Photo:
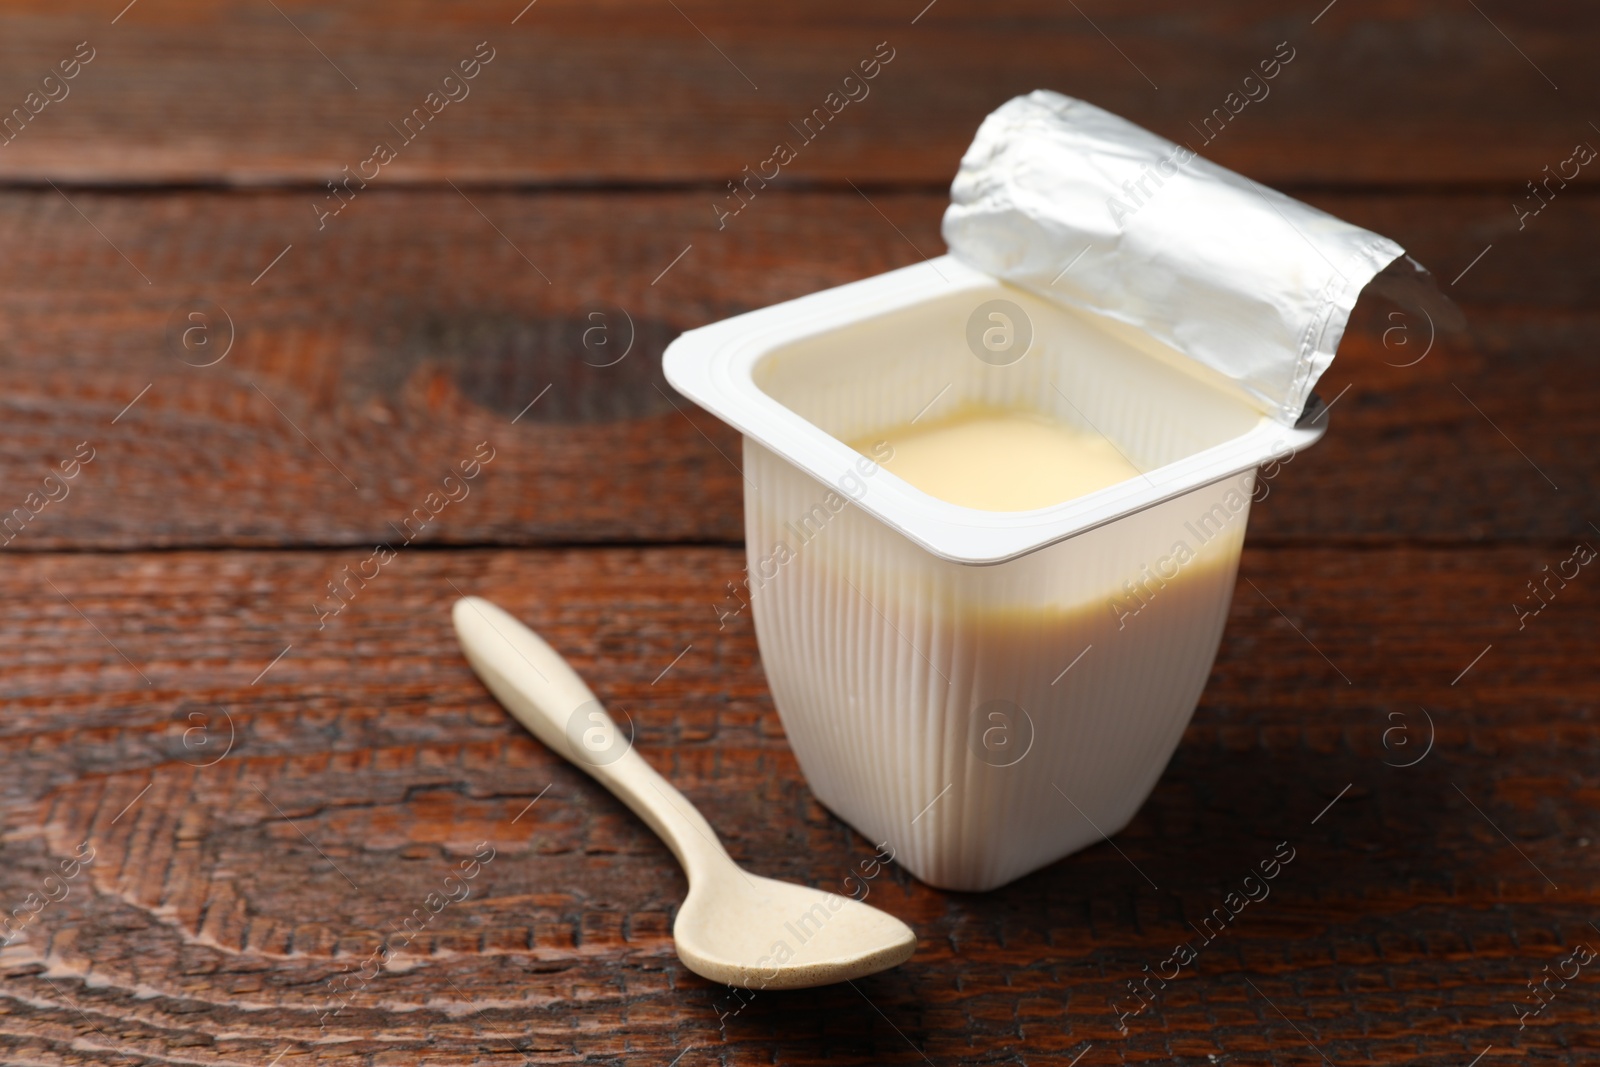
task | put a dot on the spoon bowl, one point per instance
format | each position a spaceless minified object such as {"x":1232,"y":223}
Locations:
{"x":734,"y":927}
{"x":778,"y":935}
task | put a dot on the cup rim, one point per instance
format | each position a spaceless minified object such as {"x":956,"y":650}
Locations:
{"x":714,"y":367}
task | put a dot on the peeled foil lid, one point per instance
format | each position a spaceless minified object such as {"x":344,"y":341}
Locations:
{"x":1086,"y":209}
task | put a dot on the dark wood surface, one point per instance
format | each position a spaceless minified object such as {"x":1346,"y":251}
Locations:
{"x":267,"y":799}
{"x":630,"y":91}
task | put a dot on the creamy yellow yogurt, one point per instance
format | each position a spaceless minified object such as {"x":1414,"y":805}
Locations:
{"x":999,"y":460}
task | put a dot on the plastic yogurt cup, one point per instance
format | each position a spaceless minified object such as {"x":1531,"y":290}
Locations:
{"x":985,"y":691}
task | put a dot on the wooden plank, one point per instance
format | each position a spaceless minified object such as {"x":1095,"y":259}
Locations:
{"x":372,"y":357}
{"x":630,"y":91}
{"x":208,"y":925}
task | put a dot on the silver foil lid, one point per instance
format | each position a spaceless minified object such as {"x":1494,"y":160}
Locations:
{"x":1087,"y":209}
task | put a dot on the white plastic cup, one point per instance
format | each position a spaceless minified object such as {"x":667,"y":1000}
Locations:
{"x":987,"y":692}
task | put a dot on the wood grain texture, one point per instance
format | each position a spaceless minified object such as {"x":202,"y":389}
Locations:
{"x":272,"y":792}
{"x":377,"y":353}
{"x":631,"y":91}
{"x":368,"y":763}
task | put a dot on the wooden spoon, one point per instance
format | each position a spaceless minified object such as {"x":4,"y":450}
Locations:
{"x":734,"y":927}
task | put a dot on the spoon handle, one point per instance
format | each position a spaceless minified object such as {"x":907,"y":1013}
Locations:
{"x":544,"y":693}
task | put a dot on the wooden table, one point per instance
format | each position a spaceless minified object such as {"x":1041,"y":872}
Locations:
{"x":267,"y":389}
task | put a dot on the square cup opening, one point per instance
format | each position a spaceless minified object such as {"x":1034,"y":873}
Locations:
{"x":995,"y":348}
{"x":806,"y":378}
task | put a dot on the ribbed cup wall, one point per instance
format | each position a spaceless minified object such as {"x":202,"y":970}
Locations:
{"x":888,"y":666}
